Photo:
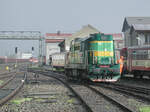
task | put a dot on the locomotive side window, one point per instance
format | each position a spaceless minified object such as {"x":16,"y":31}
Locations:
{"x":77,"y":47}
{"x":82,"y":47}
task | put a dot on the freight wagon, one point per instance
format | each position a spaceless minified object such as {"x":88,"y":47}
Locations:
{"x":57,"y":60}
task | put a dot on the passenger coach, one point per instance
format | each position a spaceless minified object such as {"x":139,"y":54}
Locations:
{"x":137,"y":60}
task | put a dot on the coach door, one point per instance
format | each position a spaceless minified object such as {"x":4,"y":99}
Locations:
{"x":130,"y":60}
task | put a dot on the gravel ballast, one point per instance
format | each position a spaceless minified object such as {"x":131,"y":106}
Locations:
{"x":43,"y":95}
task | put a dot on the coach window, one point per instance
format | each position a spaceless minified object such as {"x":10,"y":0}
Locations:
{"x":148,"y":54}
{"x":134,"y":55}
{"x":145,"y":54}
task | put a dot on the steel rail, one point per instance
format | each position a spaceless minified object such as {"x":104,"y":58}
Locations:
{"x":12,"y":77}
{"x":6,"y":73}
{"x":4,"y":84}
{"x":125,"y":91}
{"x":6,"y":76}
{"x":122,"y":106}
{"x":13,"y":93}
{"x":133,"y":88}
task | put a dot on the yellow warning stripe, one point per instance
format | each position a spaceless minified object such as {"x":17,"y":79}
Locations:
{"x":101,"y":41}
{"x":103,"y":53}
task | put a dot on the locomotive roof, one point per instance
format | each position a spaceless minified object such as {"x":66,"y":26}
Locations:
{"x":91,"y":36}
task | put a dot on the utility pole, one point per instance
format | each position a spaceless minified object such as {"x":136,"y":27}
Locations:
{"x":32,"y":55}
{"x":16,"y":51}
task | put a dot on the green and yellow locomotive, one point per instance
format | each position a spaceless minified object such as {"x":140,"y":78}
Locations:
{"x":92,"y":58}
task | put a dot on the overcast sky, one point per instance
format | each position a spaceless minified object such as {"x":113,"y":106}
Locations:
{"x":66,"y":15}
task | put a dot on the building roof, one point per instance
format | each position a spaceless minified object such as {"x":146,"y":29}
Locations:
{"x":117,"y":35}
{"x":85,"y":31}
{"x":54,"y":40}
{"x":138,"y":20}
{"x":141,"y":27}
{"x":58,"y":34}
{"x":129,"y":21}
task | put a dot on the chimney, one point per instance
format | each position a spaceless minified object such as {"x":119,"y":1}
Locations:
{"x":58,"y":32}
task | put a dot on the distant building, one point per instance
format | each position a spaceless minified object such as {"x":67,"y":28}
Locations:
{"x":85,"y":31}
{"x":118,"y":40}
{"x":26,"y":55}
{"x":136,"y":31}
{"x":52,"y":41}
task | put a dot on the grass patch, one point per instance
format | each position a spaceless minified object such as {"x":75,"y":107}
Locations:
{"x":70,"y":101}
{"x":1,"y":82}
{"x":133,"y":102}
{"x":144,"y":109}
{"x":19,"y":101}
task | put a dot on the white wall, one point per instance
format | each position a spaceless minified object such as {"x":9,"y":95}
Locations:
{"x":50,"y":49}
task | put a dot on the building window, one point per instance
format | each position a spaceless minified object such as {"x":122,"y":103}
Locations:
{"x":146,"y":39}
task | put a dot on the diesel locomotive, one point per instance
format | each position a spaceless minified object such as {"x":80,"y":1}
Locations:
{"x":92,"y":58}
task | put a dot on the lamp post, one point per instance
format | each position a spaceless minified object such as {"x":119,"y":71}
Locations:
{"x":16,"y":51}
{"x":32,"y":55}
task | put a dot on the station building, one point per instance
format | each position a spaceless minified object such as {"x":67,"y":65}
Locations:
{"x":51,"y":43}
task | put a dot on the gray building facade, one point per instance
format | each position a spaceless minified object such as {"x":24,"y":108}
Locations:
{"x":136,"y":31}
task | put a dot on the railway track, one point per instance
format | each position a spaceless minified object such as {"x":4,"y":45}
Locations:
{"x":5,"y":76}
{"x":138,"y":92}
{"x":114,"y":101}
{"x":137,"y":89}
{"x":11,"y":87}
{"x":90,"y":106}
